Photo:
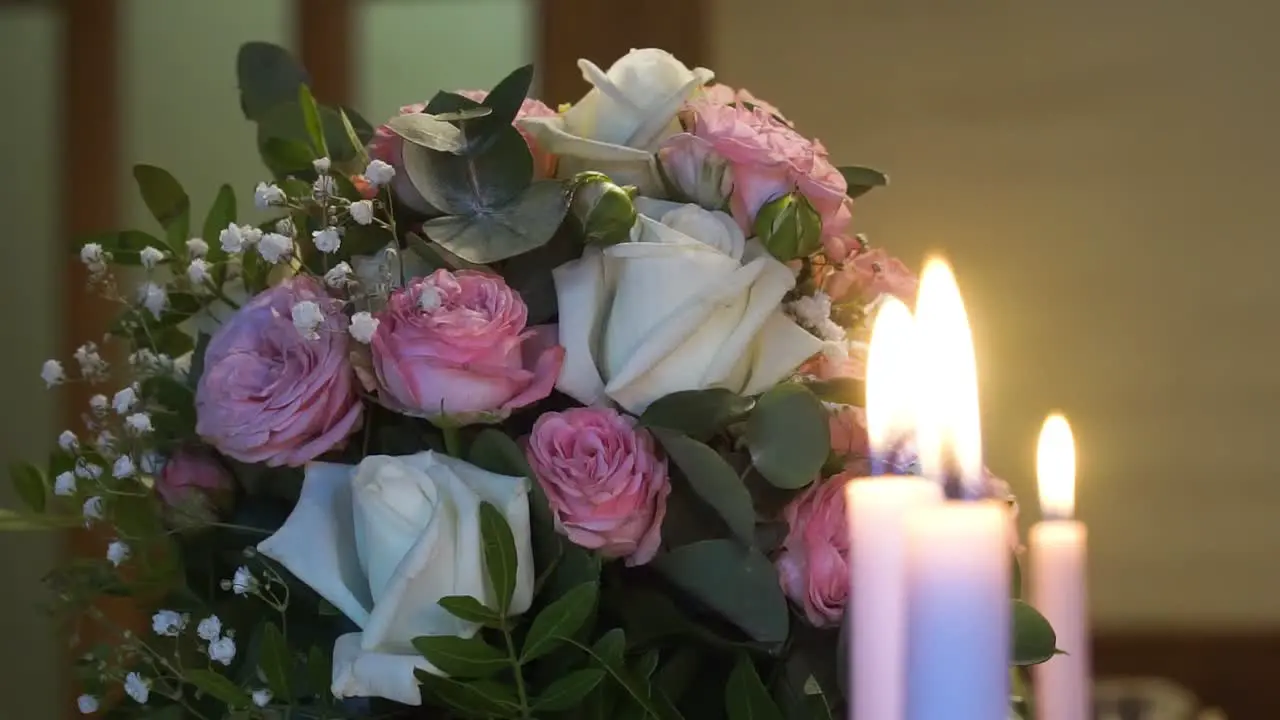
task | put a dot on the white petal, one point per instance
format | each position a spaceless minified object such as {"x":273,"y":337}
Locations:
{"x":780,"y":347}
{"x":317,"y":542}
{"x":623,"y":165}
{"x":773,"y":281}
{"x":393,"y":504}
{"x":362,"y":673}
{"x":581,"y":296}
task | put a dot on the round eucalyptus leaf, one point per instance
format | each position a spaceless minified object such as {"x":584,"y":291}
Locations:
{"x":788,"y":436}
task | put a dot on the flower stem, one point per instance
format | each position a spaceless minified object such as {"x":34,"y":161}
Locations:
{"x":452,"y":441}
{"x":521,"y":693}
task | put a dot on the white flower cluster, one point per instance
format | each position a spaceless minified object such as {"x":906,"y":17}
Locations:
{"x":813,"y":312}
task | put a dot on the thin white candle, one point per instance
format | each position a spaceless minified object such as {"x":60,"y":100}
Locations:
{"x":1056,"y":581}
{"x":958,"y":552}
{"x":877,"y":508}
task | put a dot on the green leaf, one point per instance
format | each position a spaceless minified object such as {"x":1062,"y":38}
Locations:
{"x":788,"y":436}
{"x":568,"y":691}
{"x":506,"y":99}
{"x":353,"y":137}
{"x":495,"y":451}
{"x":608,"y":653}
{"x":288,"y":121}
{"x":745,"y":696}
{"x":738,"y":583}
{"x":164,"y":197}
{"x":319,"y":671}
{"x":286,"y":157}
{"x":499,"y":554}
{"x":221,"y":214}
{"x":696,"y":413}
{"x":275,"y":661}
{"x":449,"y":103}
{"x":470,"y":609}
{"x":713,"y":480}
{"x":610,"y":647}
{"x":217,"y":686}
{"x":1034,"y":640}
{"x":559,"y":621}
{"x":28,"y":485}
{"x":526,"y":223}
{"x":14,"y":521}
{"x":268,"y":75}
{"x":311,"y":118}
{"x":472,"y":180}
{"x":1016,"y":568}
{"x":461,"y":657}
{"x":428,"y":132}
{"x":862,"y":179}
{"x":789,"y":227}
{"x":479,"y":698}
{"x":844,"y":390}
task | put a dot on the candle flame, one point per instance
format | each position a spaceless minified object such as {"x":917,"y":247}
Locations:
{"x":1056,"y":468}
{"x":891,"y":379}
{"x":949,"y":428}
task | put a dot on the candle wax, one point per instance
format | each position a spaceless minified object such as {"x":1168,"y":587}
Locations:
{"x":1056,"y":587}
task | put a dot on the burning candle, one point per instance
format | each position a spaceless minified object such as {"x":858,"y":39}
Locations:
{"x":958,"y":552}
{"x":1056,"y":581}
{"x":877,"y":508}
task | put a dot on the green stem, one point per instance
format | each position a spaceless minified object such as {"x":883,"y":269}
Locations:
{"x":521,"y":693}
{"x":452,"y":441}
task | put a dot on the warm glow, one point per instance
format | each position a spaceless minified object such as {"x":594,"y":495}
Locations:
{"x":949,"y":432}
{"x":891,"y":380}
{"x":1056,"y":469}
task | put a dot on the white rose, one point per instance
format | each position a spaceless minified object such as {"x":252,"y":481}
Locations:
{"x":383,"y":541}
{"x":687,"y":304}
{"x":618,"y":125}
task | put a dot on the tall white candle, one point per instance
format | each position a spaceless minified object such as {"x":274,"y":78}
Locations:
{"x":959,"y":564}
{"x":1056,"y":581}
{"x":877,"y":509}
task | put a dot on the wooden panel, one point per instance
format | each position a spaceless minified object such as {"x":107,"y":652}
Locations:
{"x":325,"y":41}
{"x":604,"y":31}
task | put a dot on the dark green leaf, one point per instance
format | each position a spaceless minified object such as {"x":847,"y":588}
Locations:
{"x":446,"y":103}
{"x":465,"y":114}
{"x":696,"y":413}
{"x":14,"y":521}
{"x":480,"y":180}
{"x":311,"y":118}
{"x":499,"y":554}
{"x":844,"y":390}
{"x":319,"y":671}
{"x":506,"y":98}
{"x":286,"y":157}
{"x":479,"y":698}
{"x":164,"y":196}
{"x":287,"y":121}
{"x":527,"y":223}
{"x":677,"y":674}
{"x":268,"y":76}
{"x":135,"y":516}
{"x":738,"y":583}
{"x":788,"y":436}
{"x":610,"y":646}
{"x":745,"y":696}
{"x":221,"y":214}
{"x":1034,"y":640}
{"x":568,"y":691}
{"x":495,"y":451}
{"x":862,"y":179}
{"x":276,"y":662}
{"x":353,"y":137}
{"x":428,"y":132}
{"x":713,"y":480}
{"x":177,"y":232}
{"x":217,"y":686}
{"x":613,"y":664}
{"x":789,"y":227}
{"x":559,"y":621}
{"x":28,"y":485}
{"x":644,"y":666}
{"x":470,"y":609}
{"x":197,"y":360}
{"x":461,"y":657}
{"x":1017,"y":578}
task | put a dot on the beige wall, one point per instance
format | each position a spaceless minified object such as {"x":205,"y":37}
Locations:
{"x":1104,"y":176}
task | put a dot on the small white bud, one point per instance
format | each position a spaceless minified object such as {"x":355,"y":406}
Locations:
{"x":150,"y":257}
{"x":64,"y":485}
{"x":137,"y":688}
{"x":243,"y":582}
{"x":117,"y":552}
{"x":139,"y":423}
{"x":222,"y":650}
{"x":338,"y":276}
{"x":363,"y":327}
{"x":285,"y":227}
{"x":267,"y":194}
{"x":52,"y":373}
{"x":94,"y":258}
{"x":123,"y":467}
{"x":362,"y":212}
{"x":261,"y":697}
{"x":274,"y":247}
{"x":92,"y":509}
{"x":98,"y":404}
{"x":428,"y":298}
{"x":324,"y":187}
{"x":379,"y":173}
{"x":321,"y":165}
{"x":68,"y":441}
{"x":327,"y":240}
{"x":87,"y":704}
{"x":210,"y":628}
{"x":197,"y":248}
{"x":231,"y":239}
{"x":124,"y":400}
{"x":168,"y":623}
{"x":153,"y":297}
{"x":307,"y":316}
{"x":198,"y":271}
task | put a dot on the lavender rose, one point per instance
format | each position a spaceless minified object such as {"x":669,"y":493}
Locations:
{"x":269,"y":394}
{"x":813,"y":567}
{"x":455,"y":345}
{"x":605,"y":483}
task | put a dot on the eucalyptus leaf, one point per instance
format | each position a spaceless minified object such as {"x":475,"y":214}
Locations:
{"x":28,"y":485}
{"x":713,"y":480}
{"x":499,"y":554}
{"x":559,"y":621}
{"x":738,"y":583}
{"x":427,"y":131}
{"x":568,"y":691}
{"x":162,"y":193}
{"x":462,"y":657}
{"x":445,"y":103}
{"x":745,"y":696}
{"x":268,"y":75}
{"x":861,"y":180}
{"x":842,"y":390}
{"x":1034,"y":640}
{"x":696,"y":413}
{"x":527,"y":223}
{"x":506,"y":98}
{"x":464,"y":114}
{"x":482,"y":178}
{"x":788,"y":436}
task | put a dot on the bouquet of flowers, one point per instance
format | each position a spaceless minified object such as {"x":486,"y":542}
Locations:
{"x":493,"y":411}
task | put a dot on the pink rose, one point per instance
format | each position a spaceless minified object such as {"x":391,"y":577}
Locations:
{"x":871,"y":274}
{"x":270,"y":395}
{"x":813,"y":567}
{"x":388,"y":146}
{"x":725,"y":95}
{"x":455,"y":344}
{"x":194,"y":482}
{"x":767,"y":159}
{"x":605,"y":483}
